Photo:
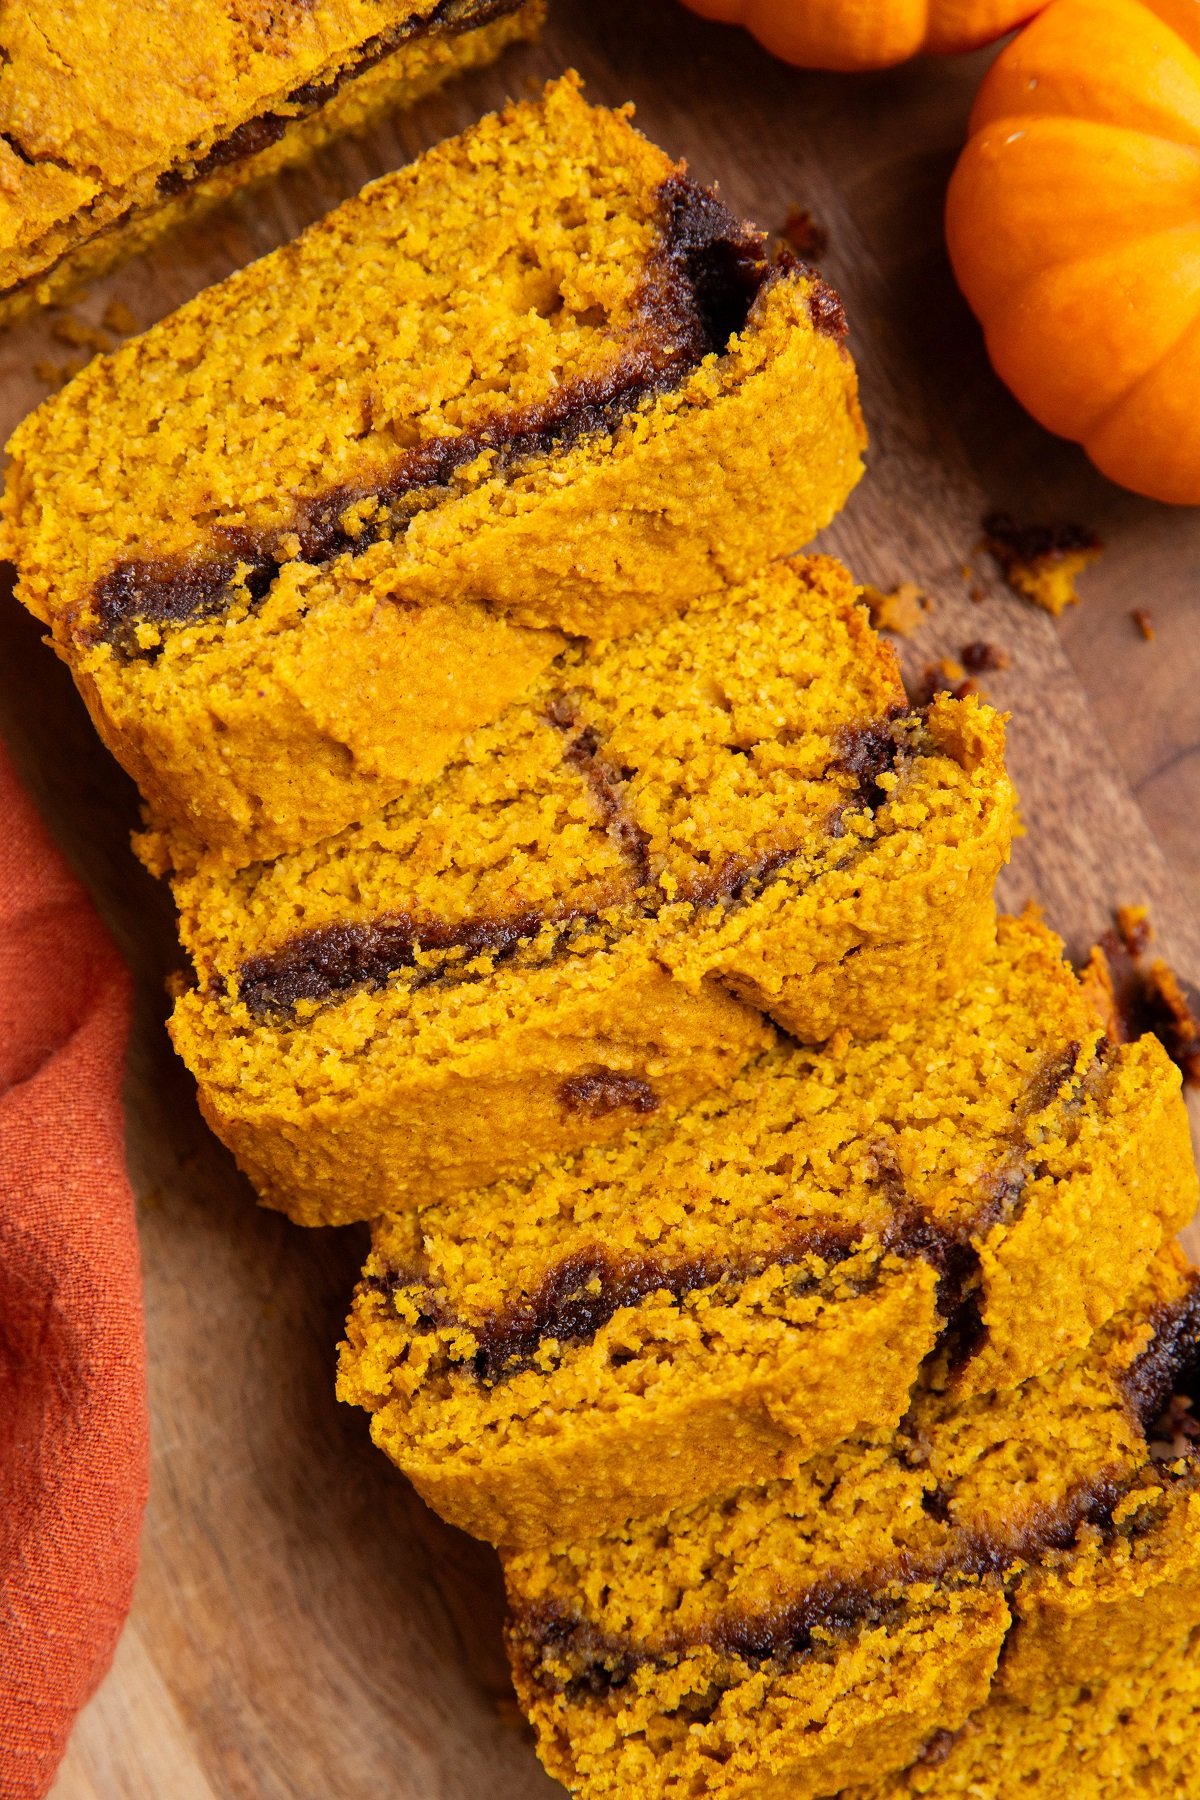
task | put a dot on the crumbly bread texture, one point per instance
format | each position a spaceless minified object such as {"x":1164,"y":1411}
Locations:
{"x":118,"y":119}
{"x":1134,"y":1734}
{"x":559,"y":936}
{"x":725,"y":1293}
{"x":301,"y":536}
{"x":787,"y":1640}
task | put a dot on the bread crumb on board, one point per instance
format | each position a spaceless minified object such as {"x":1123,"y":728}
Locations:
{"x":80,"y":334}
{"x":979,"y":655}
{"x":1041,"y":563}
{"x":901,"y":609}
{"x":118,"y":319}
{"x":803,"y":234}
{"x":1134,"y":992}
{"x":956,"y":675}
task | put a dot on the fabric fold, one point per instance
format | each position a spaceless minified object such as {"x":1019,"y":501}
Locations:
{"x":74,"y":1435}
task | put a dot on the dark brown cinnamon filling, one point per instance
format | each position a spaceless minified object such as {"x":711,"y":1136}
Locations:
{"x":1017,"y":546}
{"x":606,"y":783}
{"x":937,"y":1748}
{"x":449,"y":19}
{"x":550,"y":1633}
{"x":331,"y":960}
{"x":1170,"y":1364}
{"x":583,"y":1292}
{"x":814,"y":1621}
{"x":317,"y":965}
{"x":698,"y":289}
{"x":1147,"y":997}
{"x":600,"y":1092}
{"x":869,"y":751}
{"x":579,"y":1295}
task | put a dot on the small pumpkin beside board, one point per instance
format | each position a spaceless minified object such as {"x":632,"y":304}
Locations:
{"x":1073,"y":223}
{"x":1073,"y":217}
{"x":867,"y":34}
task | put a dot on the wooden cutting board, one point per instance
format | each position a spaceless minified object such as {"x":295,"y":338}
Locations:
{"x":303,"y":1627}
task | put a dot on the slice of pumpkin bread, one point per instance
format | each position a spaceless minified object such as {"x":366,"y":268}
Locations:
{"x":785,"y":1641}
{"x":301,"y":536}
{"x":1134,"y":1734}
{"x":729,"y":1291}
{"x":120,"y":117}
{"x":559,"y":936}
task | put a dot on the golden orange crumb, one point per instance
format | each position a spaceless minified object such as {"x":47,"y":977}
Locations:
{"x":901,"y":609}
{"x":1133,"y":923}
{"x":1040,"y":562}
{"x":804,"y":234}
{"x":77,"y":332}
{"x":117,"y":318}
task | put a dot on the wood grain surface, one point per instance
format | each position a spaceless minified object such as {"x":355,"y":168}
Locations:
{"x":303,"y":1627}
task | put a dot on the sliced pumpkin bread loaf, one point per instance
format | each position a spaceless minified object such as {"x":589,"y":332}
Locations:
{"x":560,"y":937}
{"x":120,"y":117}
{"x":301,"y":536}
{"x":792,"y":1639}
{"x":730,"y":1290}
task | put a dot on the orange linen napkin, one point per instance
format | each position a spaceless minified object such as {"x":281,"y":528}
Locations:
{"x":73,"y":1429}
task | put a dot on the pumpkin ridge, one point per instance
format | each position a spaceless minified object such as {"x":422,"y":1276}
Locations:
{"x":1085,"y":430}
{"x":849,"y":34}
{"x":1047,"y":26}
{"x":1186,"y":52}
{"x":1157,"y":8}
{"x":943,"y":37}
{"x":1030,"y":124}
{"x":1131,"y":393}
{"x":1073,"y":226}
{"x":905,"y":40}
{"x":1009,"y":290}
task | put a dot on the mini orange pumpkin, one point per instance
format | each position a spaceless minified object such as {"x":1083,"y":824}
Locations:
{"x":1074,"y":229}
{"x":867,"y":34}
